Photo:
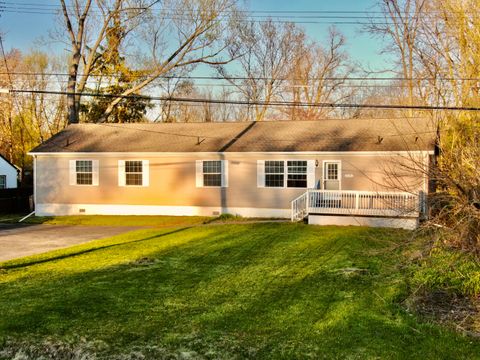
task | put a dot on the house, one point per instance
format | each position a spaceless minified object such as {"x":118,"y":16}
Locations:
{"x":345,"y":171}
{"x":8,"y":174}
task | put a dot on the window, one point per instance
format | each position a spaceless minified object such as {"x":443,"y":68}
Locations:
{"x":133,"y":173}
{"x":212,"y":173}
{"x":286,"y":173}
{"x":274,"y":173}
{"x":3,"y":181}
{"x":297,"y":174}
{"x":84,"y":171}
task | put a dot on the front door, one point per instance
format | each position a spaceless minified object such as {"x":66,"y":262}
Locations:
{"x":331,"y":175}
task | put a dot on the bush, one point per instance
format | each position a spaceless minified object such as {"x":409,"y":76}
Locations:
{"x":228,"y":217}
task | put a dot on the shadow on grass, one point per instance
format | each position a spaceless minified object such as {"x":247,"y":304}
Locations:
{"x":265,"y":291}
{"x":6,"y":265}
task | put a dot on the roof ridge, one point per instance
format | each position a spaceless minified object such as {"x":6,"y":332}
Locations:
{"x":250,"y":122}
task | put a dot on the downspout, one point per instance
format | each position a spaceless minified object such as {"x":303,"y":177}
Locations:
{"x":34,"y":183}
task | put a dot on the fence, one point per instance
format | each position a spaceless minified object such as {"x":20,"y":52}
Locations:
{"x":16,"y":200}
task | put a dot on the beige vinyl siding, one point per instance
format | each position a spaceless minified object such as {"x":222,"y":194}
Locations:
{"x":173,"y":180}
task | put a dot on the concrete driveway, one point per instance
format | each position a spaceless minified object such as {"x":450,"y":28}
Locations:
{"x":17,"y":241}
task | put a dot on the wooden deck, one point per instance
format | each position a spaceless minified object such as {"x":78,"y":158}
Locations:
{"x":355,"y":203}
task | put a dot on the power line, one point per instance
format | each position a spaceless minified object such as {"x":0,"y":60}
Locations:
{"x":240,"y":20}
{"x":255,"y":11}
{"x":251,"y":20}
{"x":250,"y":103}
{"x":236,"y":78}
{"x":266,"y":139}
{"x":334,"y":19}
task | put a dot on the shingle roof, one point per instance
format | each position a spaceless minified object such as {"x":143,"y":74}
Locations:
{"x":266,"y":136}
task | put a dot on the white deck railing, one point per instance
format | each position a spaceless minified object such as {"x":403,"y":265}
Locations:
{"x":348,"y":202}
{"x":300,"y":207}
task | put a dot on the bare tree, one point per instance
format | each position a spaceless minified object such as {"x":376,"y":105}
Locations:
{"x":267,"y":51}
{"x":316,"y":75}
{"x":437,"y":43}
{"x":400,"y":26}
{"x":177,"y":33}
{"x":28,"y":119}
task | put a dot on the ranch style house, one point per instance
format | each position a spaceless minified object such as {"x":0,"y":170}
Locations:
{"x":342,"y":171}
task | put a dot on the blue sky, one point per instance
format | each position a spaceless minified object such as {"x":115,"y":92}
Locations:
{"x":21,"y":30}
{"x":362,"y":47}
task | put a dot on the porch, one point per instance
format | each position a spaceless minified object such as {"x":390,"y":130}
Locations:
{"x":349,"y":207}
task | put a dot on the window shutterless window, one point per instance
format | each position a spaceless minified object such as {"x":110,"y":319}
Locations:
{"x":3,"y":181}
{"x":212,"y":173}
{"x":84,"y":172}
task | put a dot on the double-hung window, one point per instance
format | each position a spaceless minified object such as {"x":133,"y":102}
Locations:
{"x":297,"y":174}
{"x":84,"y":172}
{"x":133,"y":172}
{"x":274,"y":173}
{"x":3,"y":181}
{"x":212,"y":173}
{"x":286,"y":173}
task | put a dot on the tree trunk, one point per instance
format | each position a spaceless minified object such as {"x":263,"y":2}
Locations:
{"x":73,"y":100}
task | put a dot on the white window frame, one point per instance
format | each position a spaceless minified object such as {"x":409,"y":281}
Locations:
{"x":199,"y":173}
{"x":284,"y":175}
{"x":310,"y":174}
{"x":5,"y":182}
{"x":122,"y":173}
{"x":73,"y":172}
{"x":324,"y":169}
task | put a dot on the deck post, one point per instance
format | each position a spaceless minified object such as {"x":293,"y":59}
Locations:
{"x":307,"y":202}
{"x":357,"y":200}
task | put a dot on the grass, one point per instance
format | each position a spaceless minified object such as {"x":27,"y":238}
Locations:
{"x":109,"y":220}
{"x":449,"y":269}
{"x":265,"y":291}
{"x":134,"y":220}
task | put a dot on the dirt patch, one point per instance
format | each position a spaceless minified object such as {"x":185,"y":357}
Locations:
{"x":450,"y":309}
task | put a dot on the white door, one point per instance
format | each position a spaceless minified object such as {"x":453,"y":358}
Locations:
{"x":331,"y":175}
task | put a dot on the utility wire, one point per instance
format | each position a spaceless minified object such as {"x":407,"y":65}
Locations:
{"x":268,"y":12}
{"x":330,"y":78}
{"x":364,"y":137}
{"x":248,"y":103}
{"x":341,"y":20}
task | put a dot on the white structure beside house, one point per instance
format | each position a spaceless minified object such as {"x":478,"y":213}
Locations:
{"x":8,"y":174}
{"x":349,"y":171}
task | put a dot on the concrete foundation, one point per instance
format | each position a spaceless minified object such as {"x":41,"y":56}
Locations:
{"x":402,"y":223}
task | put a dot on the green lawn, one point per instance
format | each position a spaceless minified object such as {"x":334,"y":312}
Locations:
{"x":225,"y":291}
{"x":110,"y":220}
